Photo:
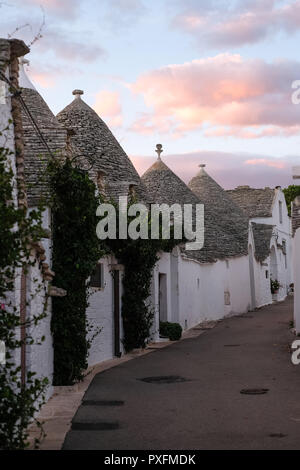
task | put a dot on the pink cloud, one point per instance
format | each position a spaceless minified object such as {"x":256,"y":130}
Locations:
{"x":107,"y":105}
{"x":228,"y":169}
{"x":230,"y":95}
{"x":243,"y":22}
{"x":265,"y":162}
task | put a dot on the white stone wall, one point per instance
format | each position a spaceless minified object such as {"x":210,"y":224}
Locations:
{"x":282,"y":231}
{"x":7,"y":141}
{"x":297,"y":281}
{"x":198,"y":292}
{"x":263,"y":294}
{"x":39,"y":357}
{"x":100,"y":314}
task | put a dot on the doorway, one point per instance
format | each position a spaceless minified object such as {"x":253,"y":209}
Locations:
{"x":252,"y":279}
{"x":163,"y":303}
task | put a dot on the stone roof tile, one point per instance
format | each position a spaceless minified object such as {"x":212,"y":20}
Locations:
{"x":165,"y":187}
{"x":254,"y":202}
{"x":230,"y":219}
{"x":99,"y":146}
{"x":262,"y":234}
{"x":36,"y":155}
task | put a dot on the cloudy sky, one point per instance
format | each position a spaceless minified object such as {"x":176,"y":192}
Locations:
{"x":211,"y":80}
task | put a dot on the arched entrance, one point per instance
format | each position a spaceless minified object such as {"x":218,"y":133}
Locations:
{"x":252,"y":280}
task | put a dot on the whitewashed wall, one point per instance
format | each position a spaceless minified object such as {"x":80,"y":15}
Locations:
{"x":297,"y":281}
{"x":198,"y":292}
{"x":263,"y":294}
{"x":282,"y":231}
{"x":100,"y":314}
{"x":39,"y":357}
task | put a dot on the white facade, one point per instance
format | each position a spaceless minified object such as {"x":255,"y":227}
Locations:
{"x":101,"y":314}
{"x":278,"y":265}
{"x":297,"y":281}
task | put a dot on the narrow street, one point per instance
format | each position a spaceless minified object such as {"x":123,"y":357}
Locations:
{"x":202,"y":407}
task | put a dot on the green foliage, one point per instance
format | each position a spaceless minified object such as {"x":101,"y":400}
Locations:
{"x":291,"y":192}
{"x":172,"y":330}
{"x":274,"y":285}
{"x":76,"y":250}
{"x":18,"y":402}
{"x":139,"y":258}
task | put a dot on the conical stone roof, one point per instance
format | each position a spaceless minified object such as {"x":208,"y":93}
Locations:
{"x":226,"y":214}
{"x":99,"y":146}
{"x":35,"y":152}
{"x":164,"y":186}
{"x":262,"y":234}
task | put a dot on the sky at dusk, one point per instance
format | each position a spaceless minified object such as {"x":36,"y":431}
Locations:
{"x":210,"y":80}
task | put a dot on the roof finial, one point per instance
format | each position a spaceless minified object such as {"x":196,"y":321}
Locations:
{"x":24,"y":61}
{"x":24,"y":81}
{"x":77,"y":93}
{"x":159,"y":150}
{"x":201,"y":171}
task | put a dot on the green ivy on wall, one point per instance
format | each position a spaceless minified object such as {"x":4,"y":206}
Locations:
{"x":139,"y":258}
{"x":76,"y":250}
{"x":18,"y":402}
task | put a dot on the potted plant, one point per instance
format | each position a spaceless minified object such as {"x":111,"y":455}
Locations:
{"x":274,"y":286}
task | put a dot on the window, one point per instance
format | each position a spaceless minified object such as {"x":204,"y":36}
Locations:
{"x":280,"y":212}
{"x":267,"y":274}
{"x":97,"y":277}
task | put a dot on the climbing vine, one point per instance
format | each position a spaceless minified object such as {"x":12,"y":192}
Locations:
{"x":19,"y":402}
{"x":76,"y":250}
{"x":139,"y":258}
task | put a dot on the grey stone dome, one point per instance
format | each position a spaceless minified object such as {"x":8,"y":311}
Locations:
{"x":254,"y":202}
{"x":164,"y":186}
{"x":227,"y":215}
{"x":35,"y":152}
{"x":98,"y":145}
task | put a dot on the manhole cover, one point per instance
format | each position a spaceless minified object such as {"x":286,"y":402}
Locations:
{"x":254,"y":391}
{"x":103,"y":403}
{"x":231,"y":345}
{"x":164,"y":379}
{"x":99,"y":426}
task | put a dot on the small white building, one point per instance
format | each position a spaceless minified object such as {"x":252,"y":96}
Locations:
{"x":267,"y":211}
{"x":189,"y":286}
{"x":296,"y":253}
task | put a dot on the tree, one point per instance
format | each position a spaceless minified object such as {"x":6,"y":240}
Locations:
{"x":291,"y":192}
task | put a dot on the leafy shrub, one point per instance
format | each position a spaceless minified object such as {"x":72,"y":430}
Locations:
{"x":172,"y":330}
{"x":274,"y":285}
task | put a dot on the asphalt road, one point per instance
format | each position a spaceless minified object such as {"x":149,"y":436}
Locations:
{"x":205,"y":410}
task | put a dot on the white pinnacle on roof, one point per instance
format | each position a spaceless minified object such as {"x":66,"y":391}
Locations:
{"x":158,"y":150}
{"x":24,"y":81}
